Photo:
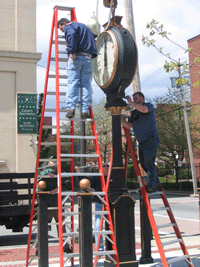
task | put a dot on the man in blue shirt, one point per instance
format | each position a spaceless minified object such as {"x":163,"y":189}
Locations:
{"x":143,"y":122}
{"x":81,"y":49}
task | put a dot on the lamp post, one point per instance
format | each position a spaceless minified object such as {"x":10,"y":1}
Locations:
{"x":173,"y":84}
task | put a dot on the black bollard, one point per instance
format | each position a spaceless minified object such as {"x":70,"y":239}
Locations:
{"x":146,"y":234}
{"x":85,"y":229}
{"x":42,"y":221}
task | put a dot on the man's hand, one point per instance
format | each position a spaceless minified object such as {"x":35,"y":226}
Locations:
{"x":128,"y":98}
{"x":54,"y":191}
{"x":73,"y":56}
{"x":51,"y":174}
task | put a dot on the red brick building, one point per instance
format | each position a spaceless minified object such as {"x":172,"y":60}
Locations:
{"x":194,"y":43}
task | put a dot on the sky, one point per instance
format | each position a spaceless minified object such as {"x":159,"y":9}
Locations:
{"x":179,"y":17}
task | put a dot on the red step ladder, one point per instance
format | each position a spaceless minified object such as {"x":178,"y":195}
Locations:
{"x":160,"y":245}
{"x":68,"y":195}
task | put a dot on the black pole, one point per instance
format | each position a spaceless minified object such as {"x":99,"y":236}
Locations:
{"x":146,"y":234}
{"x":85,"y":229}
{"x":121,"y":203}
{"x":42,"y":221}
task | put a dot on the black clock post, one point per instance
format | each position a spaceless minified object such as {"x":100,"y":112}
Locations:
{"x":121,"y":203}
{"x":114,"y":69}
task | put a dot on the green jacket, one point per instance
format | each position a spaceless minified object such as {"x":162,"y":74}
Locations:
{"x":51,"y":183}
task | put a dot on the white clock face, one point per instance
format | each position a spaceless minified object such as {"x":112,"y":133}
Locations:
{"x":106,"y":60}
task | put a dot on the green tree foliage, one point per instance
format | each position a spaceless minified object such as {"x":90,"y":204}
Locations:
{"x":171,"y":129}
{"x":103,"y":122}
{"x":157,"y":30}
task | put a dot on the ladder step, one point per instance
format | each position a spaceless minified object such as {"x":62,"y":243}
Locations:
{"x":63,"y":84}
{"x":54,"y":110}
{"x":100,"y":212}
{"x":75,"y":119}
{"x":155,"y":193}
{"x":71,"y":234}
{"x":54,"y":143}
{"x":165,"y":225}
{"x":171,"y":242}
{"x":80,"y":174}
{"x":80,"y":155}
{"x":64,"y":8}
{"x":77,"y":137}
{"x":103,"y":253}
{"x":60,"y":42}
{"x":60,"y":59}
{"x":54,"y":93}
{"x":177,"y":259}
{"x":66,"y":127}
{"x":70,"y":213}
{"x":160,"y":209}
{"x":60,"y":76}
{"x":101,"y":232}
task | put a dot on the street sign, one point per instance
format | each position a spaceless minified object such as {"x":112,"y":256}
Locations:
{"x":26,"y":113}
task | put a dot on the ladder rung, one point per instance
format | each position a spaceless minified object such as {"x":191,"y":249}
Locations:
{"x":184,"y":257}
{"x":60,"y":76}
{"x":54,"y":93}
{"x":70,"y":234}
{"x":75,"y":119}
{"x":64,"y":8}
{"x":62,"y":52}
{"x":80,"y":155}
{"x":102,"y":232}
{"x":54,"y":143}
{"x":47,"y":166}
{"x":60,"y":59}
{"x":54,"y":127}
{"x":103,"y":253}
{"x":62,"y":68}
{"x":71,"y":255}
{"x":160,"y":209}
{"x":63,"y":84}
{"x":69,"y":193}
{"x":171,"y":242}
{"x":60,"y":42}
{"x":80,"y":174}
{"x":155,"y":193}
{"x":166,"y":225}
{"x":70,"y":213}
{"x":54,"y":110}
{"x":100,"y":212}
{"x":77,"y":137}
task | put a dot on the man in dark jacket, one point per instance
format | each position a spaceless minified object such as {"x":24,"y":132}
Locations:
{"x":143,"y":123}
{"x":81,"y":49}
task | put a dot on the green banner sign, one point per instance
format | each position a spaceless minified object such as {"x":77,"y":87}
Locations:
{"x":26,"y":113}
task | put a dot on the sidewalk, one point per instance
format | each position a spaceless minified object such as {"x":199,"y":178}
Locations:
{"x":15,"y":257}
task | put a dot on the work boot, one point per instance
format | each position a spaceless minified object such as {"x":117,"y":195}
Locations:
{"x":70,"y":113}
{"x":85,"y":115}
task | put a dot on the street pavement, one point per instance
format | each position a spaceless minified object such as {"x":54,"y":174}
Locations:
{"x":185,"y":209}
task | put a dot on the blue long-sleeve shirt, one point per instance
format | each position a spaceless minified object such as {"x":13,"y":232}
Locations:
{"x":80,"y":39}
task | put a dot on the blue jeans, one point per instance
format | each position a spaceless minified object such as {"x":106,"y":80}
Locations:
{"x":147,"y":155}
{"x":79,"y":74}
{"x":98,"y":207}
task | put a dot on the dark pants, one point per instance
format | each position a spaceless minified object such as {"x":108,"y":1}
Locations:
{"x":147,"y":154}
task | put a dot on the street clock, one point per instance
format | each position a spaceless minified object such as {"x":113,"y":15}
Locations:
{"x":115,"y":64}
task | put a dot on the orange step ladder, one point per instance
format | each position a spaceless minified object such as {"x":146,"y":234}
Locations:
{"x":166,"y":206}
{"x":67,"y":125}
